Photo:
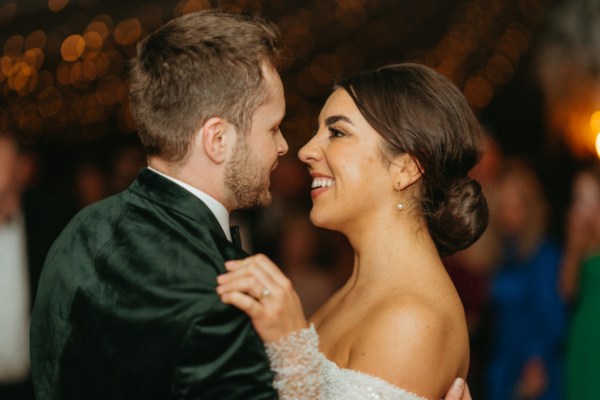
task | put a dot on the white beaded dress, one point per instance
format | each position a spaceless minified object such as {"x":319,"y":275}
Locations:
{"x":302,"y":372}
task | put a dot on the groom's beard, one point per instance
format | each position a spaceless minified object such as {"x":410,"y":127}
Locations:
{"x":247,"y":180}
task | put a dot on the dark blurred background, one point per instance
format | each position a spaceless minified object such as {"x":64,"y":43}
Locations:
{"x":529,"y":68}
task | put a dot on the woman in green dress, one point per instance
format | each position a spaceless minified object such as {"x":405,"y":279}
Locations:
{"x":581,"y":286}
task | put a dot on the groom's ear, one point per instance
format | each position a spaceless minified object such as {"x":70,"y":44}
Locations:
{"x":215,"y":138}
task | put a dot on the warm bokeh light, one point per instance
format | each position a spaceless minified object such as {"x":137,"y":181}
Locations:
{"x":36,"y":39}
{"x":499,"y":69}
{"x":128,"y":31}
{"x":595,"y":122}
{"x":125,"y":119}
{"x":22,"y":76}
{"x":6,"y":64}
{"x":8,"y":11}
{"x":110,"y":90}
{"x":478,"y":92}
{"x":191,"y":6}
{"x":483,"y":47}
{"x":99,"y":27}
{"x":93,"y":40}
{"x":580,"y":130}
{"x":57,"y":5}
{"x":101,"y":62}
{"x":75,"y":74}
{"x":89,"y":69}
{"x":13,"y":46}
{"x":62,"y":73}
{"x":72,"y":48}
{"x":34,"y":58}
{"x":351,"y":5}
{"x":78,"y":60}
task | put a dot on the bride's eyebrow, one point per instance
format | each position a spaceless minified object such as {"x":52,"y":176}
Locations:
{"x":337,"y":118}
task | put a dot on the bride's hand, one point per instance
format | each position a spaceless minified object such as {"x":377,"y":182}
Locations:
{"x":257,"y":286}
{"x":458,"y":391}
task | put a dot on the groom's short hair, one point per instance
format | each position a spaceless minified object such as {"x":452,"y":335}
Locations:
{"x":201,"y":65}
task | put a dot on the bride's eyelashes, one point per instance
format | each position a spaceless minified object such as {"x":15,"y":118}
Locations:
{"x":335,"y":133}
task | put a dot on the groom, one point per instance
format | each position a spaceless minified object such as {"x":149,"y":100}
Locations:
{"x":126,"y":305}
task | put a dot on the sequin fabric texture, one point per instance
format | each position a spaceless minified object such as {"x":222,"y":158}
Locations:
{"x":302,"y":372}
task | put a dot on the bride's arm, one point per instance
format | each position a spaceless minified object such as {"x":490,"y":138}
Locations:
{"x":256,"y":286}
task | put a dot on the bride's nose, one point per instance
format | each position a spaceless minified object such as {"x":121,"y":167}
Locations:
{"x":310,"y":152}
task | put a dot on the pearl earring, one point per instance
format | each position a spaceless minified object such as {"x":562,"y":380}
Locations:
{"x":400,"y":206}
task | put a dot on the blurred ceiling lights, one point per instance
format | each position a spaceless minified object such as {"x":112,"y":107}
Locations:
{"x":65,"y":78}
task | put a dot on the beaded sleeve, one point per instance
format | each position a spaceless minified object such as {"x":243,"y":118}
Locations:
{"x":302,"y":372}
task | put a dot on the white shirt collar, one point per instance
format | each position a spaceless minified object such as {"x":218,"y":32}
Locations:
{"x":14,"y":308}
{"x":218,"y":209}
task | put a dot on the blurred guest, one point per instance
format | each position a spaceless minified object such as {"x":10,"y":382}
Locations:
{"x":471,"y":270}
{"x":26,"y":233}
{"x":581,"y":285}
{"x":528,"y":312}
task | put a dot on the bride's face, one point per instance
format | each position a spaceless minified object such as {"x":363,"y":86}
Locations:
{"x":351,"y":183}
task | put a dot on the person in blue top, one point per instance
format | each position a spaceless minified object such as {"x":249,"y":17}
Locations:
{"x":529,"y":316}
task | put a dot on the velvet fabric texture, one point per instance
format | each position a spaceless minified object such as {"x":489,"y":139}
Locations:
{"x":127,"y":308}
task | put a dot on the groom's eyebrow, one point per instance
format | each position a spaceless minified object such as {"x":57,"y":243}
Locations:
{"x":337,"y":118}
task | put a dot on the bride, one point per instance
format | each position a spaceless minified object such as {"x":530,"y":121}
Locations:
{"x":389,"y":164}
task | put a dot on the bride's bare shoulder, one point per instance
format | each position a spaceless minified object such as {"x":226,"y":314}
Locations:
{"x":327,"y":308}
{"x":414,"y":343}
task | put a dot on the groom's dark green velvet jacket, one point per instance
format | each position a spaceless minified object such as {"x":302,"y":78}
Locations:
{"x":127,"y":309}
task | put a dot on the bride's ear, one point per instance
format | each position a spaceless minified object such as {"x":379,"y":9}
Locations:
{"x":406,"y":171}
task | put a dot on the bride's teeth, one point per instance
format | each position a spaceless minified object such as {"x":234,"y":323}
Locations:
{"x":319,"y":183}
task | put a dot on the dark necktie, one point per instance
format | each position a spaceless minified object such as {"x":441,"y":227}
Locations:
{"x":235,"y":236}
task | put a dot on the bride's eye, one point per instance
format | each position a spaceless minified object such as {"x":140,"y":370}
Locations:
{"x":335,"y":133}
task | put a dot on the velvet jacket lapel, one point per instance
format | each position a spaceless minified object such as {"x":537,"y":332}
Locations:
{"x":167,"y":194}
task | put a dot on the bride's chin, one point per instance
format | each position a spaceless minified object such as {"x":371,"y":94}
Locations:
{"x":320,"y":220}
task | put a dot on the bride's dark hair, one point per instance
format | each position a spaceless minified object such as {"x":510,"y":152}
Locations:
{"x":419,"y":112}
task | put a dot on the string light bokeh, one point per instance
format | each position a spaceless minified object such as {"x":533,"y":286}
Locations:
{"x":63,"y":74}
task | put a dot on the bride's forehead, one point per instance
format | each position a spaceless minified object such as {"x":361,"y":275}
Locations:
{"x":338,"y":103}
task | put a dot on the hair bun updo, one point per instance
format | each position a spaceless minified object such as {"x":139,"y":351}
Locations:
{"x":460,"y":218}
